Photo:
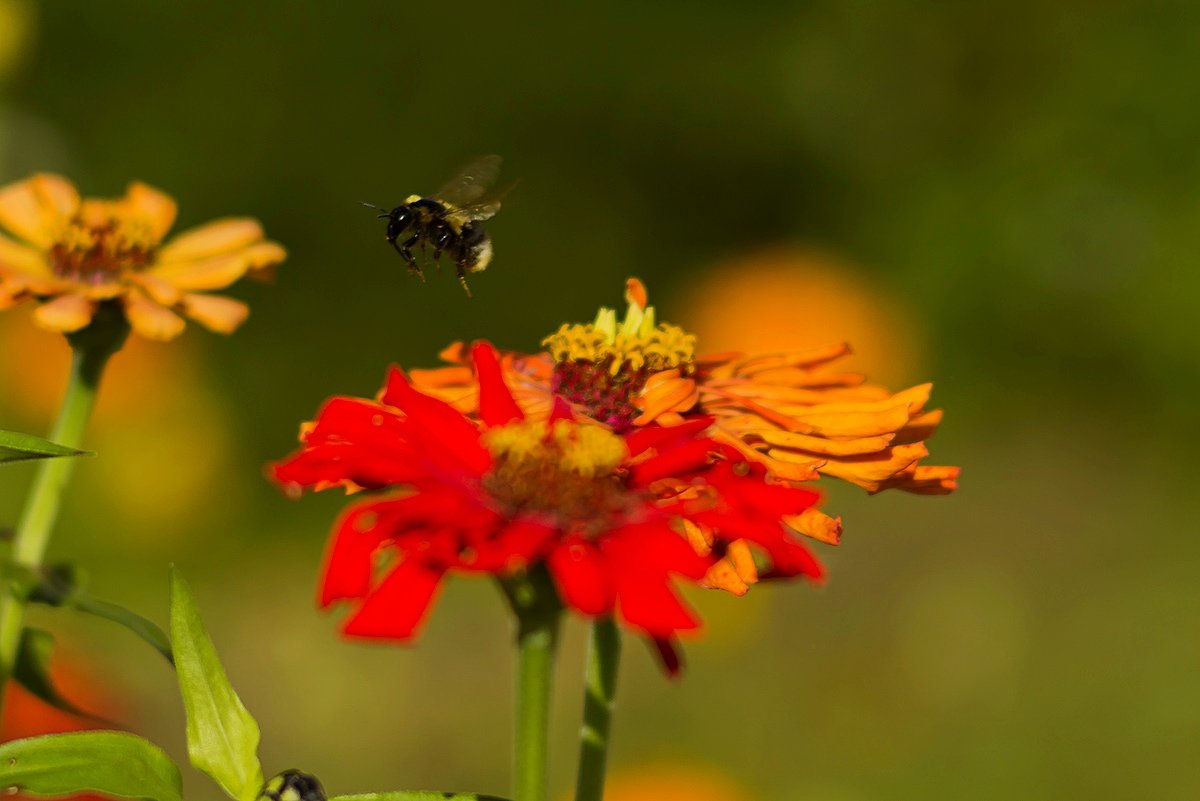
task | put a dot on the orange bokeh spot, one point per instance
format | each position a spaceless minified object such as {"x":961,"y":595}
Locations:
{"x":34,"y":364}
{"x":673,"y":782}
{"x":790,"y":298}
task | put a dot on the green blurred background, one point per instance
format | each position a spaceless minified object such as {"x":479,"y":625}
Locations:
{"x":1004,"y":197}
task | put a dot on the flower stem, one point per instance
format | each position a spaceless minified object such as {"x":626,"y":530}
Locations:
{"x":604,"y":656}
{"x":539,"y":613}
{"x":91,"y":349}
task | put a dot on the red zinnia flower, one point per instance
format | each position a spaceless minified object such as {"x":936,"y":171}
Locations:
{"x":611,"y":518}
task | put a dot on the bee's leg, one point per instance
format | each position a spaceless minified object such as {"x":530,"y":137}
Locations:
{"x":443,"y":240}
{"x":405,"y":251}
{"x":462,"y":278}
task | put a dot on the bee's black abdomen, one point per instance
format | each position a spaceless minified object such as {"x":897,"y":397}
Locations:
{"x":293,"y":785}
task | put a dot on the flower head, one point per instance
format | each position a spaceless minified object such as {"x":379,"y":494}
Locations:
{"x":793,"y":413}
{"x":614,"y":519}
{"x":70,"y":254}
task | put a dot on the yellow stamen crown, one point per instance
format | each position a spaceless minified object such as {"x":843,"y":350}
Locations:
{"x":633,"y":344}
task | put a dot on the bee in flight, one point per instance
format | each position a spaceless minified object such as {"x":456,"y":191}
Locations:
{"x":449,"y":221}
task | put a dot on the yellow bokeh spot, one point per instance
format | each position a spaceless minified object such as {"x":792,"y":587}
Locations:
{"x":17,"y":24}
{"x":790,"y":298}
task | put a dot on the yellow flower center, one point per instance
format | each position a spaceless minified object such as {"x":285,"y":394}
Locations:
{"x":100,"y":244}
{"x":565,"y":470}
{"x":603,"y":365}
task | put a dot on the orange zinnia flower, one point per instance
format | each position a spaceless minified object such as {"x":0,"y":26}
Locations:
{"x":794,"y":412}
{"x":71,"y":254}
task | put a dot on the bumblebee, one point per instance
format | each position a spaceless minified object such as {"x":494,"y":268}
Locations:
{"x":292,"y":785}
{"x":449,"y":221}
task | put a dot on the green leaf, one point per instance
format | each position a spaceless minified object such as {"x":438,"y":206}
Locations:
{"x":416,"y":795}
{"x":32,"y":671}
{"x":147,"y":629}
{"x":16,"y":447}
{"x":109,"y":762}
{"x":61,"y":585}
{"x":222,"y":736}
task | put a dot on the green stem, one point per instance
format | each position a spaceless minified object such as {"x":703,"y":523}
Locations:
{"x":539,"y":613}
{"x":91,"y":349}
{"x":604,"y":656}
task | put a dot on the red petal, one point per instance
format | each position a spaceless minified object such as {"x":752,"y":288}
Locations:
{"x":436,"y":427}
{"x":583,"y":576}
{"x":677,"y":461}
{"x":398,"y":605}
{"x":654,"y":547}
{"x":496,"y":404}
{"x":349,"y":560}
{"x":642,"y":558}
{"x":661,"y":436}
{"x":561,"y":411}
{"x":517,"y":545}
{"x":669,"y":654}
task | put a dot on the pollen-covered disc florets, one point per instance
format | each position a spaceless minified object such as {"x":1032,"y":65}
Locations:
{"x":562,"y":469}
{"x":603,"y":365}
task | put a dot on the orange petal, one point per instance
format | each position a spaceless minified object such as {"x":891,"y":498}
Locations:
{"x":868,"y":470}
{"x":852,"y":424}
{"x":35,"y":209}
{"x":818,"y":525}
{"x":65,"y":313}
{"x":264,"y":257}
{"x":151,"y":320}
{"x":156,"y":208}
{"x":212,"y":239}
{"x":16,"y":257}
{"x":635,"y":293}
{"x":215,"y":312}
{"x":828,"y":447}
{"x":216,"y":272}
{"x":160,"y":291}
{"x":664,"y":396}
{"x":920,"y":427}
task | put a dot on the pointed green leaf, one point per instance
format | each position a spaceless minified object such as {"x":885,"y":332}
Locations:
{"x":222,"y":736}
{"x":32,"y":671}
{"x":416,"y":795}
{"x":15,"y":447}
{"x":109,"y":762}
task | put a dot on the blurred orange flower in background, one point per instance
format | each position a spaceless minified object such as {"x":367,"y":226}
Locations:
{"x":673,"y":782}
{"x":71,"y":253}
{"x":28,"y":716}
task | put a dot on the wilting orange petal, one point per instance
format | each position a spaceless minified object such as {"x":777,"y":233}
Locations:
{"x":216,"y":313}
{"x":155,"y":208}
{"x":742,"y":559}
{"x":65,"y":313}
{"x":34,"y":209}
{"x":212,"y":239}
{"x":151,"y":320}
{"x":723,"y":576}
{"x":818,"y":525}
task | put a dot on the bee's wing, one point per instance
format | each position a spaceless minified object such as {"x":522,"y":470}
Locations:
{"x":485,"y":208}
{"x":471,"y":182}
